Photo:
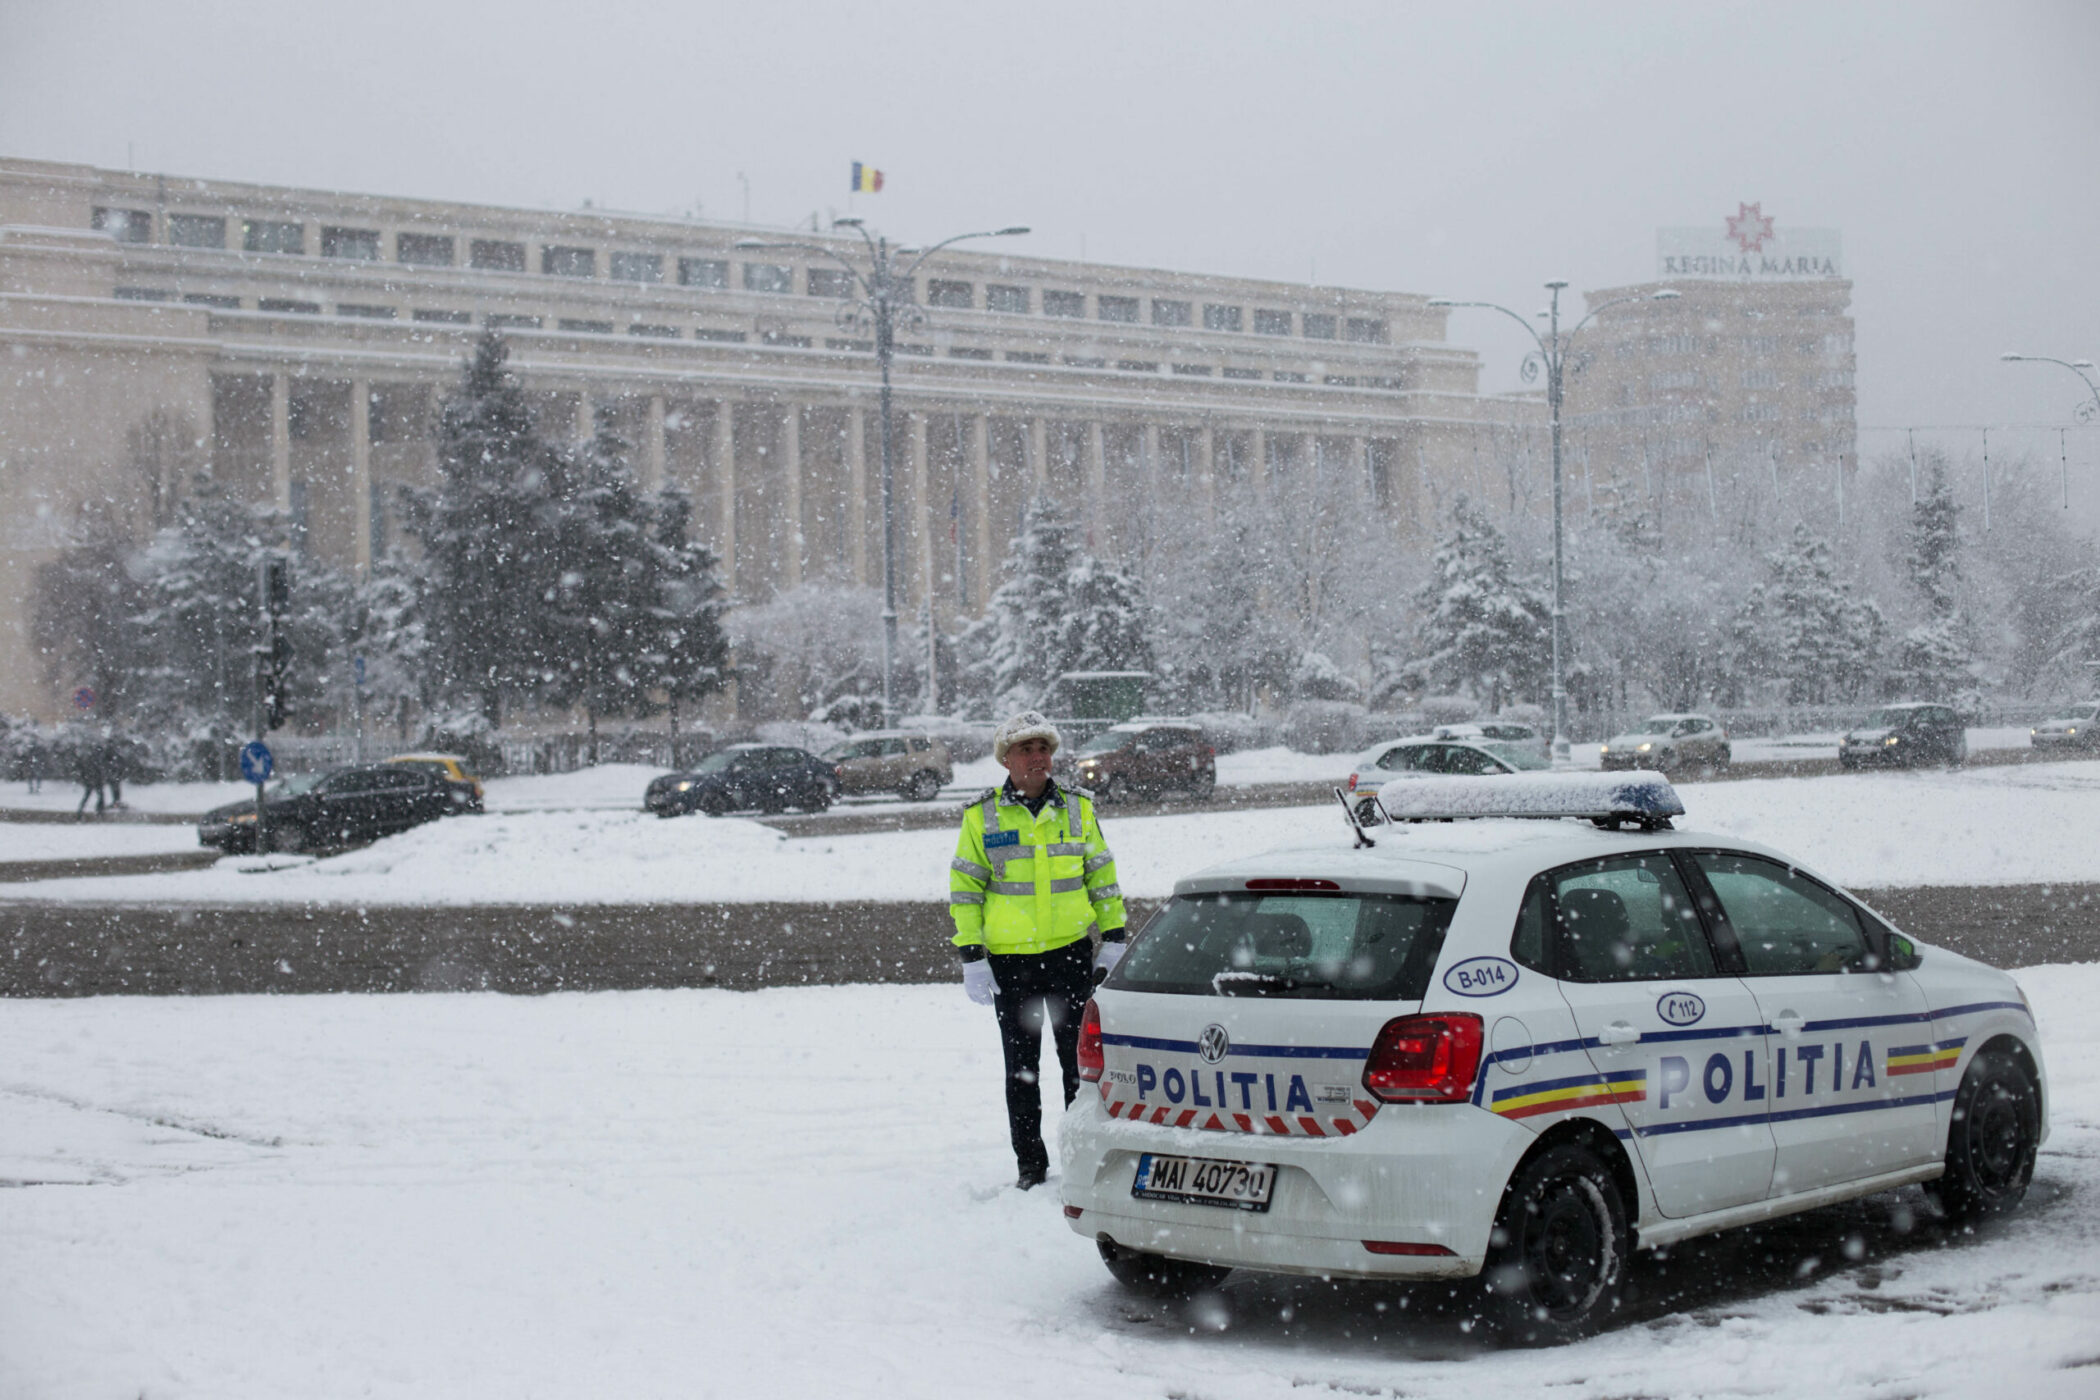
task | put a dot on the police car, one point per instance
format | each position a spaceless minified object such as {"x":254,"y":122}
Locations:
{"x":1530,"y":1029}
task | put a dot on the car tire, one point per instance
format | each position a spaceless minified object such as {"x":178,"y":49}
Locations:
{"x":1556,"y":1261}
{"x":288,"y":837}
{"x":716,"y":803}
{"x":1991,"y":1140}
{"x":818,"y":799}
{"x":922,"y":786}
{"x":1156,"y":1276}
{"x":1206,"y":787}
{"x":1848,"y":764}
{"x":1114,"y":790}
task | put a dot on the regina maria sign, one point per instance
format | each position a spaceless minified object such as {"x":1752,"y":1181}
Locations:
{"x":1749,"y":246}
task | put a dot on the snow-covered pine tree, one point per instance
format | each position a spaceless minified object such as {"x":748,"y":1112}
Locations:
{"x":598,"y":619}
{"x":685,"y":655}
{"x":1026,"y":655}
{"x":1817,"y":636}
{"x":1106,"y":625}
{"x":1936,"y":659}
{"x":488,"y":537}
{"x":1483,"y":628}
{"x":390,"y":634}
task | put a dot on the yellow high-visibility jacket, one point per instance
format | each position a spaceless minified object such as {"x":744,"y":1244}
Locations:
{"x":1028,"y":884}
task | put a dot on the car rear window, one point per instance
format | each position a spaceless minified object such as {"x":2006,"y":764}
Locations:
{"x":1340,"y":946}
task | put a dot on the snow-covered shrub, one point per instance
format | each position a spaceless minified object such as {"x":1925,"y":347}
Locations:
{"x":1449,"y":709}
{"x":465,"y":731}
{"x":1232,"y":731}
{"x":1323,"y":726}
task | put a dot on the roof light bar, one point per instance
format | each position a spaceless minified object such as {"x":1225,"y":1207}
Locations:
{"x":1645,"y":799}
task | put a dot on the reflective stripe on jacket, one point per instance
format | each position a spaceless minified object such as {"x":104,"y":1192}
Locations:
{"x":1043,"y":881}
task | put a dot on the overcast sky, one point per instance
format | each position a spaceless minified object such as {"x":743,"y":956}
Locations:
{"x":1465,"y":150}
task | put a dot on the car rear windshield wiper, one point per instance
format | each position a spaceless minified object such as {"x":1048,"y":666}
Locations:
{"x":1230,"y":983}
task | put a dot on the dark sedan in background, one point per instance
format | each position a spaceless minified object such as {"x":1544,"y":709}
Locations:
{"x":338,"y":808}
{"x":1905,"y":736}
{"x":767,"y":777}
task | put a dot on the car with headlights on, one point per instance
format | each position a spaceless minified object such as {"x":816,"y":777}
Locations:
{"x":1531,"y":1029}
{"x":1147,"y":758}
{"x":2077,"y":728}
{"x":744,"y":777}
{"x":1438,"y":757}
{"x":1668,"y":744}
{"x":1904,"y":736}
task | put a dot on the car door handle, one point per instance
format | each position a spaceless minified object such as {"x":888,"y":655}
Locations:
{"x":1618,"y":1033}
{"x":1788,"y":1023}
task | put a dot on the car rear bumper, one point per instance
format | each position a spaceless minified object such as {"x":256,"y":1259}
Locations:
{"x":1623,"y":762}
{"x":1423,"y":1175}
{"x":2064,"y":741}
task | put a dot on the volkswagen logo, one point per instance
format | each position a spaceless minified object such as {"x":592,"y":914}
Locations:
{"x":1213,"y":1044}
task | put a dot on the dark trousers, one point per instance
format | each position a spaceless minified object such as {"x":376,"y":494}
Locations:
{"x":1035,"y":989}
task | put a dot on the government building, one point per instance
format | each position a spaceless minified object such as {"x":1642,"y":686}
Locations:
{"x":299,"y":343}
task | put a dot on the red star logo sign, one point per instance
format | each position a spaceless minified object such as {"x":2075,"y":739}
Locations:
{"x":1749,"y":226}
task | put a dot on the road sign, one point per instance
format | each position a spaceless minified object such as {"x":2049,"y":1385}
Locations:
{"x":84,"y":698}
{"x":256,"y":761}
{"x":357,"y":665}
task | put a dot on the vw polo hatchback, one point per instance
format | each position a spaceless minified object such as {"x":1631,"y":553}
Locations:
{"x":1531,"y":1029}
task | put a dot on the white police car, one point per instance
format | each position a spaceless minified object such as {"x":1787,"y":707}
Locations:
{"x":1517,"y":1049}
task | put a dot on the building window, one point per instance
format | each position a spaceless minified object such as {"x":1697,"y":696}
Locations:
{"x":143,"y":294}
{"x":423,"y":249}
{"x":444,"y":318}
{"x":944,"y":293}
{"x":559,"y":261}
{"x":585,"y":327}
{"x":653,"y":332}
{"x":1271,"y":322}
{"x":1319,"y":326}
{"x":768,"y":277}
{"x":1234,"y":372}
{"x":1116,"y":308}
{"x":1028,"y":357}
{"x":1086,"y":362}
{"x":303,"y":308}
{"x":197,"y":230}
{"x":834,"y":342}
{"x":510,"y":321}
{"x":222,"y":303}
{"x":968,"y":352}
{"x":1138,"y":366}
{"x":1220,"y":318}
{"x":636,"y":267}
{"x":794,"y":342}
{"x":496,"y":255}
{"x":1169,"y":313}
{"x":830,"y":282}
{"x":1290,"y":376}
{"x":369,"y":313}
{"x":1760,"y":379}
{"x":721,"y":337}
{"x":1011,"y":299}
{"x":269,"y":236}
{"x":1064,"y":303}
{"x":1193,"y":369}
{"x":359,"y":243}
{"x":702,"y":272}
{"x":1364,"y":331}
{"x":1675,"y":379}
{"x":126,"y":225}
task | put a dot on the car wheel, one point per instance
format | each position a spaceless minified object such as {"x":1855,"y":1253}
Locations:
{"x":1557,"y":1258}
{"x":1848,"y":763}
{"x":1114,"y":790}
{"x":1156,"y":1276}
{"x":922,"y":786}
{"x":716,"y":803}
{"x":287,"y":837}
{"x":1206,"y":786}
{"x":818,"y":799}
{"x":1991,"y":1140}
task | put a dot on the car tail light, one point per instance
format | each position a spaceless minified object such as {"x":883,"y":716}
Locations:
{"x":1352,"y":782}
{"x":1424,"y":1059}
{"x":1090,"y":1060}
{"x":1275,"y":884}
{"x":1433,"y":1251}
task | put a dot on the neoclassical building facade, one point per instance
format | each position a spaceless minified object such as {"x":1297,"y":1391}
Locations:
{"x":300,"y":342}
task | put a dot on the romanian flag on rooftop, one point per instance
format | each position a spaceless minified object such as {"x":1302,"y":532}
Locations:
{"x":866,"y":179}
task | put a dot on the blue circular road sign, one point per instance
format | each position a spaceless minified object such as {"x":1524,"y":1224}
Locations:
{"x":84,"y":697}
{"x":256,"y":761}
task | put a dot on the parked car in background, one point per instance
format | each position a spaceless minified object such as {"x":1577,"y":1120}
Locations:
{"x":337,"y":808}
{"x":465,"y":788}
{"x":1670,"y":743}
{"x":1147,"y":758}
{"x":915,"y":766}
{"x":768,"y":777}
{"x":1423,"y":758}
{"x":1501,"y":731}
{"x":1904,"y":736}
{"x":2078,"y":729}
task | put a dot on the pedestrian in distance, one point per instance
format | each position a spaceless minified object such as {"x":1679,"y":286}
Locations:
{"x":1031,"y":884}
{"x":87,"y":771}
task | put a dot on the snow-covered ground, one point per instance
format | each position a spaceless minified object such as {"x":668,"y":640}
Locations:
{"x":22,"y":841}
{"x":1977,"y":826}
{"x":805,"y":1193}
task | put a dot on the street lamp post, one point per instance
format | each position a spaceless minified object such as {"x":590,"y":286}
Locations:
{"x":2086,"y":412}
{"x":886,"y":297}
{"x":1551,"y":356}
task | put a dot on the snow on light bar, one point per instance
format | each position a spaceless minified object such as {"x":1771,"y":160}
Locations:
{"x":1646,"y":798}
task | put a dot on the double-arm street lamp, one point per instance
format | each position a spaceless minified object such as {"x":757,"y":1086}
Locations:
{"x":885,"y":299}
{"x":2086,"y":412}
{"x":1552,"y":357}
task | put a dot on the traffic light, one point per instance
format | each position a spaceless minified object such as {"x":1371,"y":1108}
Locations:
{"x":274,"y":582}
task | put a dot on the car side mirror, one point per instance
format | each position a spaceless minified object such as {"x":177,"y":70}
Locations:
{"x":1903,"y":954}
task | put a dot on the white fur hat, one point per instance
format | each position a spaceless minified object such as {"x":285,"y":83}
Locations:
{"x":1026,"y":725}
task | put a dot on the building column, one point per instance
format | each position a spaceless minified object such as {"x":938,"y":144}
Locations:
{"x":1039,"y":454}
{"x":1207,"y":465}
{"x":586,"y":416}
{"x":791,"y":470}
{"x":653,"y":446}
{"x":1096,"y":485}
{"x":1149,"y":468}
{"x":725,"y":484}
{"x":921,"y":546}
{"x":361,"y":476}
{"x":281,"y":442}
{"x":981,"y":477}
{"x":857,"y":490}
{"x":1258,"y":469}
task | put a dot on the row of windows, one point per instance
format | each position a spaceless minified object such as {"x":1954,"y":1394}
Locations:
{"x":562,"y":260}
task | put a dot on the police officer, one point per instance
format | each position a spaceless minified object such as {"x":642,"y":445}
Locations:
{"x":1031,"y":882}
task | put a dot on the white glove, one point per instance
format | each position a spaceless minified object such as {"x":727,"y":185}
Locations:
{"x":1105,"y":961}
{"x":978,"y":983}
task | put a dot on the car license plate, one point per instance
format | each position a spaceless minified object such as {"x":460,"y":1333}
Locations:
{"x":1204,"y":1181}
